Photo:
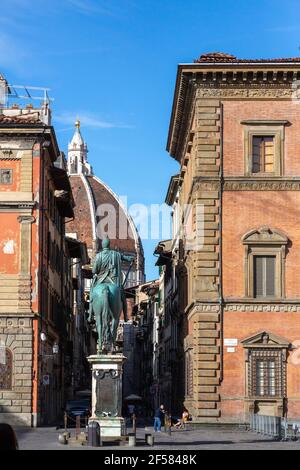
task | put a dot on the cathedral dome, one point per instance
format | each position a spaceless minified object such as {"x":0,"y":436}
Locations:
{"x":98,"y":211}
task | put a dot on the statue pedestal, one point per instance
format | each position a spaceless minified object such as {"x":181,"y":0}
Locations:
{"x":107,"y":370}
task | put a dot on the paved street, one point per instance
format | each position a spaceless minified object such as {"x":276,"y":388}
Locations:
{"x":206,"y":438}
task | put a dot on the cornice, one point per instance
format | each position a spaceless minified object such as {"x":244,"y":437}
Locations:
{"x":229,"y":81}
{"x":245,"y":306}
{"x":257,"y":184}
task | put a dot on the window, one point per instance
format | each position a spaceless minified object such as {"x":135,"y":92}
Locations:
{"x":264,"y":266}
{"x":266,"y":357}
{"x":5,"y":369}
{"x":264,"y":147}
{"x":263,"y":153}
{"x":265,"y":377}
{"x":266,"y":373}
{"x":6,"y":176}
{"x":264,"y":276}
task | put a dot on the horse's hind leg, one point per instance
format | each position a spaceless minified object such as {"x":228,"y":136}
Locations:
{"x":100,"y":339}
{"x":114,"y":328}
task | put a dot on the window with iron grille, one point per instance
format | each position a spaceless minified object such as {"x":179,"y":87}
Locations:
{"x":6,"y":365}
{"x":267,"y":373}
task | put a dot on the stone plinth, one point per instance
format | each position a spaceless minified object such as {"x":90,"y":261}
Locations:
{"x":107,"y":370}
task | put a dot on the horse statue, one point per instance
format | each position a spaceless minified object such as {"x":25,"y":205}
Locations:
{"x":107,"y":298}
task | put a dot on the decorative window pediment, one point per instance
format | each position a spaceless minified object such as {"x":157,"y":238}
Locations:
{"x":265,"y":235}
{"x":265,"y":252}
{"x":265,"y":339}
{"x":266,"y":357}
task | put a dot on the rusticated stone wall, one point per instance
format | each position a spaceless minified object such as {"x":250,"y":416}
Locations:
{"x":16,"y":402}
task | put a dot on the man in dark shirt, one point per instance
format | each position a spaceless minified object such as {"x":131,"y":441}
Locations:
{"x":158,"y":418}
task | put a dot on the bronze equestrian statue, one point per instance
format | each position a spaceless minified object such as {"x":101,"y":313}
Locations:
{"x":107,"y":297}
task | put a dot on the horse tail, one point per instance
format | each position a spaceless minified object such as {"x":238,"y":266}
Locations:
{"x":106,"y":300}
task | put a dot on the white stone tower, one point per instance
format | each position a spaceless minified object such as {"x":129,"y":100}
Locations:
{"x":77,"y":154}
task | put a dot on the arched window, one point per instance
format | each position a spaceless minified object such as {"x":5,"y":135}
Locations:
{"x":5,"y":369}
{"x":265,"y":252}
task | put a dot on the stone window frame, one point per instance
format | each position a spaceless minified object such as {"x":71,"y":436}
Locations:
{"x":265,"y":128}
{"x":266,"y":345}
{"x":265,"y":241}
{"x":2,"y":170}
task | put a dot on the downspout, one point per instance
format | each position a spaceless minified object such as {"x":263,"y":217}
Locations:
{"x":40,"y":278}
{"x":221,"y":302}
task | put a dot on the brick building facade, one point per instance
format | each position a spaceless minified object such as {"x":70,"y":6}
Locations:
{"x":36,"y":288}
{"x":235,"y":131}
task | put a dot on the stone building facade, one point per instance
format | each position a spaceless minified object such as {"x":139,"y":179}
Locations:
{"x":36,"y":293}
{"x":235,"y":130}
{"x":170,"y":339}
{"x":147,"y":314}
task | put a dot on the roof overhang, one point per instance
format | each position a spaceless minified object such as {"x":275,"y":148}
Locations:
{"x":77,"y":249}
{"x":64,"y":197}
{"x":164,"y":252}
{"x":172,"y":190}
{"x":189,"y":71}
{"x":38,"y":130}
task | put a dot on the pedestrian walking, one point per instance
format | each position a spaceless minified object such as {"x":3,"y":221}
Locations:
{"x":158,"y":418}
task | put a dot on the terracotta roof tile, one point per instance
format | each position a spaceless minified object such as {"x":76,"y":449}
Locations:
{"x":221,"y":57}
{"x":21,"y":119}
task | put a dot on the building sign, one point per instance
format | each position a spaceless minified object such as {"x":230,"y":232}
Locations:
{"x":230,"y":350}
{"x":230,"y":342}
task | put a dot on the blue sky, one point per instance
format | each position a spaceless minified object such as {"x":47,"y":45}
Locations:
{"x":113,"y":63}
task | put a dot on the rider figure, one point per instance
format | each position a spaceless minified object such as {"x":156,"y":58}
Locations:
{"x":107,"y":268}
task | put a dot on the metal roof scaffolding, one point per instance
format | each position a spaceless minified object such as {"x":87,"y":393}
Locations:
{"x":27,"y":90}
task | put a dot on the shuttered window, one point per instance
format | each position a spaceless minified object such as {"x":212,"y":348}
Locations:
{"x":264,"y":276}
{"x":263,"y":154}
